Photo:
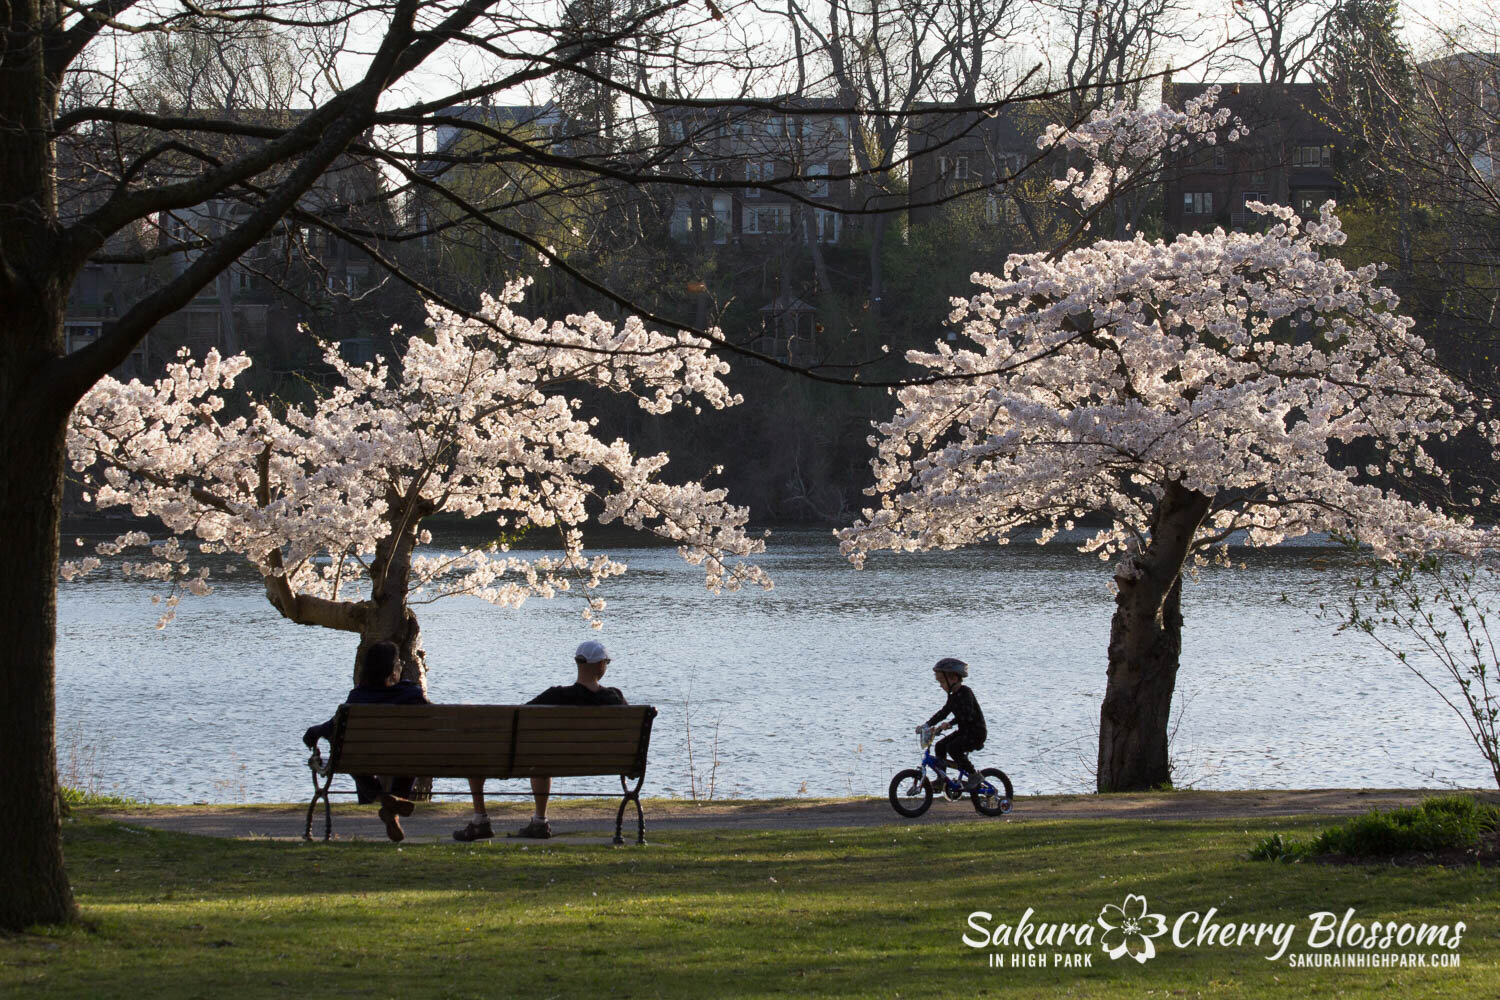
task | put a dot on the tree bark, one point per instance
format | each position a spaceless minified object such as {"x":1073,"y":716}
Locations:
{"x":32,"y":422}
{"x":37,"y":890}
{"x":1145,"y":645}
{"x":390,"y":579}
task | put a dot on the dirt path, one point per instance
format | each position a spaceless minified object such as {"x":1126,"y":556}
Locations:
{"x":592,"y":822}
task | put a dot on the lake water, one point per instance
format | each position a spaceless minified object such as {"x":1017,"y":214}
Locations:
{"x":810,"y":689}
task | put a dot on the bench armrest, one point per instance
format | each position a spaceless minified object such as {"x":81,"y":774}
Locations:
{"x":318,"y":765}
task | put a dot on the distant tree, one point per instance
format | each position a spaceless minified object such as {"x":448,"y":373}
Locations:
{"x":1182,"y":392}
{"x":1278,"y":40}
{"x":1365,"y":71}
{"x":1417,"y":156}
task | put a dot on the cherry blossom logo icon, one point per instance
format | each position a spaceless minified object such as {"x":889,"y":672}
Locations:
{"x":1128,"y":929}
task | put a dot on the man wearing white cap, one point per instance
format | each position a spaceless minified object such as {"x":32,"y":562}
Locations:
{"x":592,"y":659}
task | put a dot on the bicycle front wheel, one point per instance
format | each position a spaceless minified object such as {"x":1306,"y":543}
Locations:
{"x":910,"y":793}
{"x":994,"y":794}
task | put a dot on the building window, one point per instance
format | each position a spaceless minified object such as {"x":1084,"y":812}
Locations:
{"x":1007,"y":165}
{"x":998,"y":208}
{"x":1198,"y":203}
{"x":828,"y":224}
{"x":776,"y":125}
{"x":76,"y":335}
{"x":1258,"y":178}
{"x":953,"y":168}
{"x":723,"y":213}
{"x":1307,"y":203}
{"x":817,"y":180}
{"x":1219,"y":158}
{"x":770,"y":219}
{"x":357,"y":350}
{"x":1312,"y":156}
{"x":704,"y":220}
{"x":758,"y":172}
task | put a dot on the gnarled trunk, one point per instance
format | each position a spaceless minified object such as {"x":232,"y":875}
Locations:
{"x":390,"y":580}
{"x":1145,"y":645}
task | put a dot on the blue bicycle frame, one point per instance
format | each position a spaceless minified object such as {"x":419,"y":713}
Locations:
{"x":952,"y":788}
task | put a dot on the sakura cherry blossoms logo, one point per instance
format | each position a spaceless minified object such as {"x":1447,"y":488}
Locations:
{"x":1129,"y":928}
{"x":1325,"y":939}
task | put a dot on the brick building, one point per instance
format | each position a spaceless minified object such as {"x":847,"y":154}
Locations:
{"x":1287,"y":158}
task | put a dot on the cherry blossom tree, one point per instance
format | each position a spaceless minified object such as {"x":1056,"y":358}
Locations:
{"x":328,"y":502}
{"x":1174,"y":395}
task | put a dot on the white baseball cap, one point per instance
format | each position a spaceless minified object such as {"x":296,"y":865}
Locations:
{"x":591,"y":651}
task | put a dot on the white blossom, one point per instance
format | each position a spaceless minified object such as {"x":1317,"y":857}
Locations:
{"x":1236,"y":365}
{"x":1120,"y":142}
{"x":473,"y":420}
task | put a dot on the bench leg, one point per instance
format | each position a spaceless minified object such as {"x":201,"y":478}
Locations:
{"x":631,"y":795}
{"x":320,"y":792}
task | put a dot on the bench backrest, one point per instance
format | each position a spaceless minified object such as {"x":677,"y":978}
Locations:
{"x":492,"y":741}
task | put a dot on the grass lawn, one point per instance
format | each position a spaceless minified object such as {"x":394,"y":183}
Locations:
{"x":876,"y":912}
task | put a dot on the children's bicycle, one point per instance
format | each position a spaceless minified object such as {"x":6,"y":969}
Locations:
{"x":912,"y":789}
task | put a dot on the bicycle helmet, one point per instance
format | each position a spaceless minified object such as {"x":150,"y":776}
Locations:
{"x":951,"y":665}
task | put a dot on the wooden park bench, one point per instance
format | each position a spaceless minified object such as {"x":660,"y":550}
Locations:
{"x":492,"y":741}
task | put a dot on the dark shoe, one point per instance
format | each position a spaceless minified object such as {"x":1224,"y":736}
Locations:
{"x":392,"y":824}
{"x":397,"y":805}
{"x":474,"y":831}
{"x":972,"y":782}
{"x":534,"y":831}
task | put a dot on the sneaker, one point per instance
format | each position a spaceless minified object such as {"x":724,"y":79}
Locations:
{"x":474,"y":831}
{"x":971,"y":782}
{"x":535,"y":830}
{"x":392,"y":824}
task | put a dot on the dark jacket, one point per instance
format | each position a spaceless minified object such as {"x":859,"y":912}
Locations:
{"x":965,"y":708}
{"x":577,"y":694}
{"x":400,"y":693}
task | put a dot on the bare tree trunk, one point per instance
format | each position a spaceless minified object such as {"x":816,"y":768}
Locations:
{"x":1145,"y":645}
{"x":36,"y":884}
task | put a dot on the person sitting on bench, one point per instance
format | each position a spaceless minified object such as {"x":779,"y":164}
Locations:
{"x":380,"y":683}
{"x":591,"y":659}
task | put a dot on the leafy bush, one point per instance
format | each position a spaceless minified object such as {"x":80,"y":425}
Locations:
{"x":80,"y":797}
{"x":1439,"y":823}
{"x":1277,"y":848}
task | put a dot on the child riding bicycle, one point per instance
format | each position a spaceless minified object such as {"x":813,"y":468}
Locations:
{"x":967,"y":716}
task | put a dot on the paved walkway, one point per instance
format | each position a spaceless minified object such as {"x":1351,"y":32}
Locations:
{"x":592,"y":822}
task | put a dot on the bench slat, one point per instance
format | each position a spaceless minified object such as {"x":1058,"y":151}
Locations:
{"x":411,"y":734}
{"x":570,"y":771}
{"x":529,"y":757}
{"x":441,"y":746}
{"x":461,"y":767}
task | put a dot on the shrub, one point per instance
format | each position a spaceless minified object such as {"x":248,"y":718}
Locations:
{"x":80,"y":797}
{"x":1439,"y":823}
{"x":1277,"y":848}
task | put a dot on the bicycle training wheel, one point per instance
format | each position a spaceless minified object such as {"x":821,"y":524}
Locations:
{"x":910,"y":794}
{"x":992,"y":798}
